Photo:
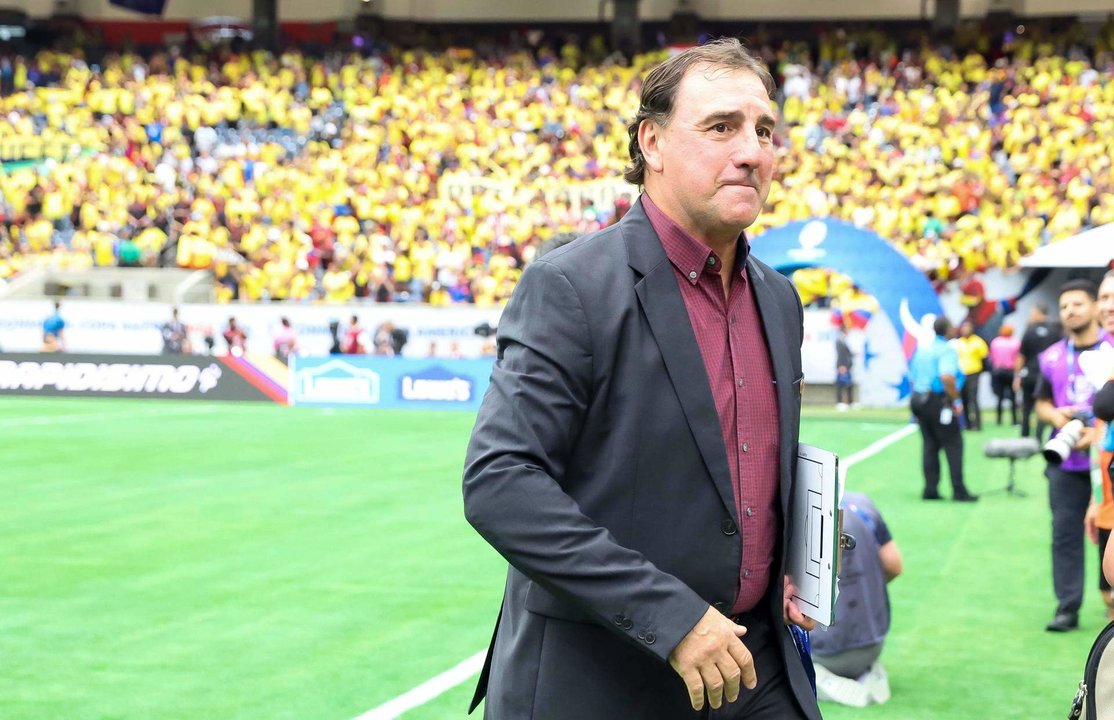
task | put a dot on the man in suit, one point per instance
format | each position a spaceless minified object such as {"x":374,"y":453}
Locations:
{"x":634,"y":455}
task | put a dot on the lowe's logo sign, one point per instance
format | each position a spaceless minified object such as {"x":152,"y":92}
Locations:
{"x":338,"y":382}
{"x":436,"y":384}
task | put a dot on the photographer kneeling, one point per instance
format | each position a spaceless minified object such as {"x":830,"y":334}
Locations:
{"x":1065,"y":394}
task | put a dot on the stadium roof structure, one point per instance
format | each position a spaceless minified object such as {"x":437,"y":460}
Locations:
{"x":1092,"y":248}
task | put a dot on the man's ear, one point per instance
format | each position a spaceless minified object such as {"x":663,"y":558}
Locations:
{"x":649,"y":141}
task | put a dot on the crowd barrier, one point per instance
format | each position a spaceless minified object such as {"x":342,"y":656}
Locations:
{"x":363,"y":381}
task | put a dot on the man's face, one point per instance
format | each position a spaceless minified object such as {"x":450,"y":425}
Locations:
{"x":1077,"y":310}
{"x":1106,"y":304}
{"x":716,"y":155}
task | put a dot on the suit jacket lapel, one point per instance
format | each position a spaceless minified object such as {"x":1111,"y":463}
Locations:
{"x":665,"y":311}
{"x":773,"y":322}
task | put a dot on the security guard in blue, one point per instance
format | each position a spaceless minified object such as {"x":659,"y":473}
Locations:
{"x":935,"y":403}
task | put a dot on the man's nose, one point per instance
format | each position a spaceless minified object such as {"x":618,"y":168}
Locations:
{"x":747,"y":149}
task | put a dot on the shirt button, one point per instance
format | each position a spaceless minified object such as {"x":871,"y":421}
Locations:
{"x":711,"y":259}
{"x":740,"y":382}
{"x":750,"y":512}
{"x":746,"y":447}
{"x":692,"y":275}
{"x":746,"y":574}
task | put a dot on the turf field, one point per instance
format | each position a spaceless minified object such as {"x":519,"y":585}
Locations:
{"x":180,"y":560}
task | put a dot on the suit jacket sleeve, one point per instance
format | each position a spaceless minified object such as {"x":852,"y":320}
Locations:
{"x":525,"y":434}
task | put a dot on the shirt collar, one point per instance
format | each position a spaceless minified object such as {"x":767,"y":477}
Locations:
{"x":690,"y":256}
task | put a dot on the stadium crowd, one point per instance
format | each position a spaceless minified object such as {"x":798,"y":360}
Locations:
{"x":409,"y":175}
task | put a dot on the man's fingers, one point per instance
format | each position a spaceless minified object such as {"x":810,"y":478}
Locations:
{"x":695,"y":687}
{"x":806,"y":623}
{"x":713,"y":684}
{"x":794,"y":615}
{"x":745,"y":662}
{"x":732,"y":676}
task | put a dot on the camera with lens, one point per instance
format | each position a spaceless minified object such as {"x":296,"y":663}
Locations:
{"x":485,"y":329}
{"x":1057,"y":449}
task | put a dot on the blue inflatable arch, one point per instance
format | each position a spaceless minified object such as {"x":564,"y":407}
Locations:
{"x":863,"y":255}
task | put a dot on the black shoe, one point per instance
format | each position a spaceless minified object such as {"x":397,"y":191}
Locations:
{"x":931,"y":496}
{"x":966,"y":497}
{"x":1063,"y":622}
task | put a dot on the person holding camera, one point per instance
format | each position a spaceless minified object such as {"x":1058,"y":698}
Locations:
{"x":1065,"y":400}
{"x":935,"y":402}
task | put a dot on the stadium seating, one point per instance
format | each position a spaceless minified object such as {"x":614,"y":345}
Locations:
{"x":433,"y":176}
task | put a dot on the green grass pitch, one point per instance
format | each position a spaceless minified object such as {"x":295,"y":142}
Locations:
{"x":176,"y":560}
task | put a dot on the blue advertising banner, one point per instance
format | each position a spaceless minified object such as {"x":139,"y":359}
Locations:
{"x":389,"y":382}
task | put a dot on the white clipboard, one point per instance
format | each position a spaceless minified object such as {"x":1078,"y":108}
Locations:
{"x":814,"y":532}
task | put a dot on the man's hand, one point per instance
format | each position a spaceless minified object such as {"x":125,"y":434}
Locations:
{"x":712,"y":659}
{"x":792,"y":614}
{"x":1090,"y":525}
{"x":1061,"y":416}
{"x":1085,"y":439}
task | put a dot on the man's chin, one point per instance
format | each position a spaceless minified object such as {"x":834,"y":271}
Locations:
{"x":743,"y":217}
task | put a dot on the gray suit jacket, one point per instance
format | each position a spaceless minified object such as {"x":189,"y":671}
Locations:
{"x":597,"y":469}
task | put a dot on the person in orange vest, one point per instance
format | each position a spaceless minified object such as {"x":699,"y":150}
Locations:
{"x":1099,"y":521}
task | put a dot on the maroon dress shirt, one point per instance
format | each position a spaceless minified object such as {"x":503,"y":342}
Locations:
{"x":737,"y":360}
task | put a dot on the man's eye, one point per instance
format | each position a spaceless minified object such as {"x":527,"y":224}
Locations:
{"x":719,"y":128}
{"x":765,"y":132}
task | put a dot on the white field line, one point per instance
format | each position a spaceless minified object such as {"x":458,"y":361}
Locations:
{"x":873,"y":449}
{"x":428,"y":690}
{"x":455,"y":676}
{"x":15,"y":422}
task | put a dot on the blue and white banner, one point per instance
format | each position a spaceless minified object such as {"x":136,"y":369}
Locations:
{"x":389,"y":382}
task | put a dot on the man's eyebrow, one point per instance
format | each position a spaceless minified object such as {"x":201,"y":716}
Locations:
{"x":722,"y":116}
{"x":764,"y":120}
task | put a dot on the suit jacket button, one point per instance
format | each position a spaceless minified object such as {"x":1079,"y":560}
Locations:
{"x":627,"y":623}
{"x":618,"y":620}
{"x":641,"y":635}
{"x":650,"y":638}
{"x":728,"y":527}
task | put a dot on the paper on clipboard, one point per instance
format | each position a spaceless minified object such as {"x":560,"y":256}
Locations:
{"x":814,"y":535}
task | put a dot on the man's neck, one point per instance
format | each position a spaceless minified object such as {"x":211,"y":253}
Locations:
{"x":722,"y":241}
{"x":1086,"y":336}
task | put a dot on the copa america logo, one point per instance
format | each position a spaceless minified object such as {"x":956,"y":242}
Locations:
{"x":812,"y":235}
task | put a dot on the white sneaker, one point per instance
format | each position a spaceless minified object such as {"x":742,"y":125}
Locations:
{"x":841,"y":407}
{"x":838,"y":689}
{"x":877,"y":683}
